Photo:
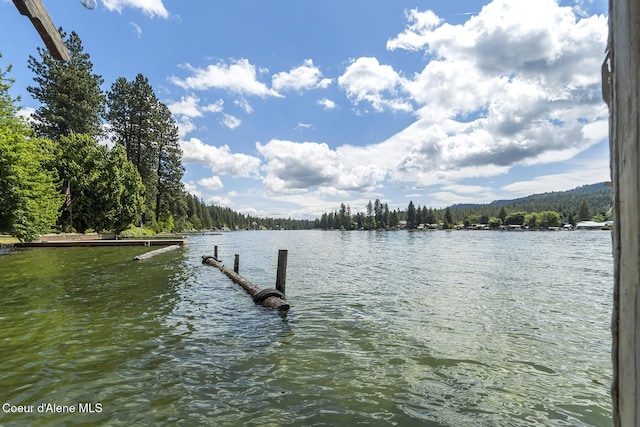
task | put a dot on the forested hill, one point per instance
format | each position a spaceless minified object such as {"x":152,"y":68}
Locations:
{"x":597,"y":196}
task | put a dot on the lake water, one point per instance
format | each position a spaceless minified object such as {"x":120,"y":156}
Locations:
{"x":463,"y":328}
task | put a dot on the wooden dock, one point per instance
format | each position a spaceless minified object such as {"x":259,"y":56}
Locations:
{"x":96,"y":242}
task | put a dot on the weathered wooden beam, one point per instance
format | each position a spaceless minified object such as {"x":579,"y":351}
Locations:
{"x":621,"y":89}
{"x":281,"y":272}
{"x":156,"y":252}
{"x":37,"y":13}
{"x":267,"y":297}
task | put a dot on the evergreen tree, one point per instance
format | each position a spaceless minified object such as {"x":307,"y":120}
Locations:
{"x":584,"y":212}
{"x":145,"y":128}
{"x":29,"y":201}
{"x":69,"y":92}
{"x":448,"y":219}
{"x":169,"y":172}
{"x":503,"y":214}
{"x":106,"y":189}
{"x":411,"y":215}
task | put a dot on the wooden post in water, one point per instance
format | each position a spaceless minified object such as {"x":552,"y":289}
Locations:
{"x":236,"y":263}
{"x":621,"y":90}
{"x":215,"y":251}
{"x":281,"y":274}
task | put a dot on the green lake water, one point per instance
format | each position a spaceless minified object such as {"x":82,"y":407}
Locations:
{"x":464,"y":328}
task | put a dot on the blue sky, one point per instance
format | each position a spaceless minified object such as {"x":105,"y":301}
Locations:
{"x":289,"y":108}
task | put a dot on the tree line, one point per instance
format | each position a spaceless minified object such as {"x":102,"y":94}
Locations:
{"x":534,"y":212}
{"x":116,"y":155}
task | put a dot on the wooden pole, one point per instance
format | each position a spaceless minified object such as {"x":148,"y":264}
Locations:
{"x":215,"y":251}
{"x":621,"y":90}
{"x":281,"y":274}
{"x":236,"y":264}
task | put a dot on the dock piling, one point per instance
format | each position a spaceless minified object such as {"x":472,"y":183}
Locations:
{"x":236,"y":263}
{"x":281,"y":274}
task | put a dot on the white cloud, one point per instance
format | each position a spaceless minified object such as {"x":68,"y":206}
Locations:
{"x":219,"y":159}
{"x":136,"y":29}
{"x":244,"y":104}
{"x":151,"y":8}
{"x":189,"y":106}
{"x":230,"y":121}
{"x":365,"y":79}
{"x":517,"y":84}
{"x":219,"y":201}
{"x":304,"y":77}
{"x":216,"y":107}
{"x":213,"y":183}
{"x":239,"y":76}
{"x":293,"y":167}
{"x":416,"y":34}
{"x":327,"y":104}
{"x":579,"y":173}
{"x":185,"y":126}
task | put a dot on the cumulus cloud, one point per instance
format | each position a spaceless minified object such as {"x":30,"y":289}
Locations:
{"x":516,"y":84}
{"x":304,"y":77}
{"x":297,"y":166}
{"x":327,"y":104}
{"x":366,"y":80}
{"x":239,"y":76}
{"x":220,"y":159}
{"x":213,"y":183}
{"x":189,"y":106}
{"x":151,"y":8}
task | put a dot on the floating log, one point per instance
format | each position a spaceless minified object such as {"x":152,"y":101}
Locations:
{"x":267,"y":297}
{"x":156,"y":252}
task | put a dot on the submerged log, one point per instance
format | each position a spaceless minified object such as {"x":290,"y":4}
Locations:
{"x":267,"y":297}
{"x":156,"y":252}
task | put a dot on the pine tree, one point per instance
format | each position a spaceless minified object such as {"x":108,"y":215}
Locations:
{"x":144,"y":126}
{"x":411,"y":215}
{"x":69,"y":92}
{"x":584,"y":212}
{"x":169,"y":172}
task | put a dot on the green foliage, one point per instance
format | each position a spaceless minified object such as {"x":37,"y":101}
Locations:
{"x":133,"y":231}
{"x":515,"y":218}
{"x":106,"y":189}
{"x":29,"y":201}
{"x":494,"y":222}
{"x":69,"y":92}
{"x":584,"y":212}
{"x":548,"y":219}
{"x":145,"y":128}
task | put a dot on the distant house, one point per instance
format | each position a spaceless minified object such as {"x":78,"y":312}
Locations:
{"x":592,"y":225}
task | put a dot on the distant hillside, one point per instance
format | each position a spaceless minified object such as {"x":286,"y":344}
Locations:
{"x":598,"y":197}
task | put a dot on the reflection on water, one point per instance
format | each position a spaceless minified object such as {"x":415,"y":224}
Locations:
{"x":386,"y":328}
